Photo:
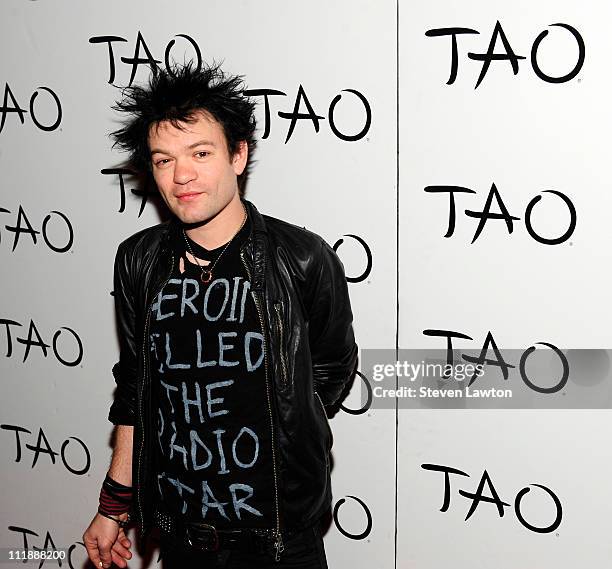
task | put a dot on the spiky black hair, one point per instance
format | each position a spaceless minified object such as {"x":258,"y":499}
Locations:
{"x":177,"y":95}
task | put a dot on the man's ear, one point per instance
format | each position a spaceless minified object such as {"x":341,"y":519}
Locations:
{"x":239,"y":159}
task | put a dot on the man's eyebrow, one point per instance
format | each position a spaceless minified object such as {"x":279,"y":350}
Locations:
{"x":202,"y":142}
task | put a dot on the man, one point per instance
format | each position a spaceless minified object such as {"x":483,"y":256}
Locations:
{"x":235,"y":332}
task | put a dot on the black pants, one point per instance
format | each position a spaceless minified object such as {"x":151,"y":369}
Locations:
{"x":303,"y":550}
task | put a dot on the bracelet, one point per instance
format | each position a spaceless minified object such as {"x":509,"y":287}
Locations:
{"x":120,"y":523}
{"x":115,"y":498}
{"x":113,"y":485}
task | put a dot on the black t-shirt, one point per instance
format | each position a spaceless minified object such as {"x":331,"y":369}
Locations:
{"x":214,"y":456}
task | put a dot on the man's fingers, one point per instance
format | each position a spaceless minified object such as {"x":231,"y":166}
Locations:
{"x":123,"y":538}
{"x":121,"y":550}
{"x":104,"y":548}
{"x":92,"y":551}
{"x":118,"y":560}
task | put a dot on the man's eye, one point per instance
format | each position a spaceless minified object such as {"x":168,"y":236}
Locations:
{"x":202,"y":154}
{"x":162,"y":162}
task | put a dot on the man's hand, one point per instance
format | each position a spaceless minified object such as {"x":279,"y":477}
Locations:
{"x":106,"y":542}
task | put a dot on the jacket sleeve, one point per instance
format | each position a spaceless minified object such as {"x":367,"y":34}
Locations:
{"x":330,"y":328}
{"x":123,"y":408}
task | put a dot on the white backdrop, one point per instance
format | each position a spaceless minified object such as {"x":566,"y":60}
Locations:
{"x":525,"y":134}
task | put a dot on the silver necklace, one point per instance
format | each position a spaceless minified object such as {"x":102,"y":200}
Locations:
{"x":207,"y":272}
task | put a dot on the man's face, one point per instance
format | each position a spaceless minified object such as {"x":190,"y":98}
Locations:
{"x":193,"y":169}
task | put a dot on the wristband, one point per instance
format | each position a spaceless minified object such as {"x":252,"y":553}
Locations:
{"x":115,"y":498}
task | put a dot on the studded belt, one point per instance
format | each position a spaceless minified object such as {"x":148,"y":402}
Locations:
{"x":206,"y":537}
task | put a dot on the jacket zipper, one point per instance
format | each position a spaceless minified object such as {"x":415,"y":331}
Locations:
{"x":145,"y":372}
{"x":277,"y":309}
{"x":278,"y":538}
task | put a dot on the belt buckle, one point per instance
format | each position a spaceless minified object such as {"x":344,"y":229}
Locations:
{"x":205,"y":537}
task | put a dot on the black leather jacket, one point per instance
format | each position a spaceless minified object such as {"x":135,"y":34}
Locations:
{"x":301,"y":294}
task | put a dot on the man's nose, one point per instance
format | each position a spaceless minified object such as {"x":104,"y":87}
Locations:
{"x":184,"y":171}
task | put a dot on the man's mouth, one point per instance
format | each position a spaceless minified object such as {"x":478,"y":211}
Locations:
{"x":187,"y":196}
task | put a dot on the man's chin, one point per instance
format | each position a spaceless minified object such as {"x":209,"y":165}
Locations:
{"x":191,"y":222}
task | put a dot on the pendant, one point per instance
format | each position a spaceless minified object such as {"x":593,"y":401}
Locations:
{"x":206,"y":276}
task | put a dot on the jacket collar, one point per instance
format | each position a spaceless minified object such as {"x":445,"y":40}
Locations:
{"x":257,"y":220}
